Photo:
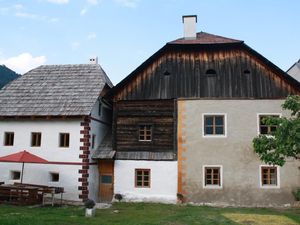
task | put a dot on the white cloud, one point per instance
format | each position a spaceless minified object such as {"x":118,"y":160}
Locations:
{"x":18,"y":6}
{"x":83,"y":11}
{"x":59,"y":1}
{"x":128,"y":3}
{"x":26,"y":15}
{"x":23,"y":62}
{"x":93,"y":2}
{"x":75,"y":45}
{"x":53,"y":20}
{"x":91,"y":36}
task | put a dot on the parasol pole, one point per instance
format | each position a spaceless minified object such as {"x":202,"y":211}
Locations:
{"x":22,"y":173}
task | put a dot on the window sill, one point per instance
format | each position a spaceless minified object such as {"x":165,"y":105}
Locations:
{"x":214,"y":136}
{"x":212,"y":187}
{"x":270,"y":187}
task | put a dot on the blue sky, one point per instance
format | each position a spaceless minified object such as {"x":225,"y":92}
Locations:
{"x":124,"y":33}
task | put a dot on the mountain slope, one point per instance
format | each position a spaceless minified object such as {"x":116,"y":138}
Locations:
{"x":6,"y":75}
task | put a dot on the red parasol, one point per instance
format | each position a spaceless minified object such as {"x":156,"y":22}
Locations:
{"x":23,"y":157}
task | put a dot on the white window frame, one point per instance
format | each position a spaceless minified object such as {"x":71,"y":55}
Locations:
{"x":214,"y":135}
{"x":269,"y":186}
{"x":13,"y":171}
{"x":212,"y":186}
{"x":50,"y":176}
{"x":265,"y":114}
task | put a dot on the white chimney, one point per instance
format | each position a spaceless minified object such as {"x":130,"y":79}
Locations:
{"x":94,"y":60}
{"x":189,"y":26}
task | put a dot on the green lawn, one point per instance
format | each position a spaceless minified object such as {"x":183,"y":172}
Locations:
{"x":142,"y":213}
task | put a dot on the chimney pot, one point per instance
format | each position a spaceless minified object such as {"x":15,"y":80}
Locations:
{"x":189,"y":26}
{"x":94,"y":60}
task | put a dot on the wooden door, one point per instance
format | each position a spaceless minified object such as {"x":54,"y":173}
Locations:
{"x":106,"y":180}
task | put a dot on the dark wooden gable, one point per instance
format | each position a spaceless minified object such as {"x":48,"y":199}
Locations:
{"x":205,"y":71}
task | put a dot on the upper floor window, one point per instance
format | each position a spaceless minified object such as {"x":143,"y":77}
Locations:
{"x":100,"y":109}
{"x":214,"y":125}
{"x":9,"y":138}
{"x":211,"y":72}
{"x":36,"y":138}
{"x":64,"y":140}
{"x":93,"y":141}
{"x":145,"y":132}
{"x":264,"y":128}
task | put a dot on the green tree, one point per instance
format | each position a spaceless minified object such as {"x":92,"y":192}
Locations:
{"x":285,"y":141}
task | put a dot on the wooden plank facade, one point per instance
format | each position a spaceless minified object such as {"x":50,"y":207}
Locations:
{"x":129,"y":115}
{"x":204,"y":72}
{"x":208,"y":67}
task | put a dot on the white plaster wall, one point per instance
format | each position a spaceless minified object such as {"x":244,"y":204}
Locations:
{"x":50,"y":130}
{"x":295,"y":71}
{"x":163,"y":181}
{"x":40,"y":174}
{"x":49,"y":150}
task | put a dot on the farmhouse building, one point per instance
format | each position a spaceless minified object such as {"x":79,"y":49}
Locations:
{"x":184,"y":120}
{"x":56,"y":112}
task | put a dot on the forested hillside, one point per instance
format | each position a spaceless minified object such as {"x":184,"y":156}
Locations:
{"x":6,"y":75}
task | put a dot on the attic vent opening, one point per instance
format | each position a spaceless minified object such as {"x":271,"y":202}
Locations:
{"x":211,"y":72}
{"x":247,"y":72}
{"x":167,"y":73}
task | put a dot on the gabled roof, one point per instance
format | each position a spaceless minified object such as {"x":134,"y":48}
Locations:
{"x":203,"y":41}
{"x":54,"y":90}
{"x":206,"y":38}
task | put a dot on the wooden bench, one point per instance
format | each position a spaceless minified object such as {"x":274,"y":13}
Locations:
{"x":44,"y":191}
{"x":19,"y":195}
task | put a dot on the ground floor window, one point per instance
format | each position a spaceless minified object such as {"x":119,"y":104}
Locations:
{"x":142,"y":178}
{"x":15,"y":175}
{"x":269,"y":176}
{"x":212,"y":176}
{"x":54,"y":177}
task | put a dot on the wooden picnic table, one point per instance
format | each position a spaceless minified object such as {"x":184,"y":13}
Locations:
{"x":28,"y":194}
{"x":10,"y":193}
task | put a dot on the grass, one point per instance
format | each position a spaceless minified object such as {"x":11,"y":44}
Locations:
{"x":148,"y":214}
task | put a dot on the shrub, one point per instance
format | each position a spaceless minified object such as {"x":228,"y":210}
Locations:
{"x":297,"y":194}
{"x":119,"y":197}
{"x":89,"y":204}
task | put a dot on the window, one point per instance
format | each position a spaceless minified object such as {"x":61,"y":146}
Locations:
{"x":36,"y":139}
{"x":269,"y":176}
{"x":54,"y":177}
{"x":212,"y":176}
{"x":246,"y":72}
{"x":211,"y":72}
{"x":9,"y":138}
{"x":15,"y":175}
{"x":100,"y":109}
{"x":214,"y":125}
{"x":64,"y":140}
{"x":106,"y":179}
{"x":263,"y":127}
{"x":145,"y":132}
{"x":142,"y":178}
{"x":93,"y":141}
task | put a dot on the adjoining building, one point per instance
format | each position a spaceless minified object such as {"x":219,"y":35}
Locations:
{"x":58,"y":113}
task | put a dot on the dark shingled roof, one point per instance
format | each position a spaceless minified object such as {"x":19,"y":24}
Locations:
{"x":105,"y":151}
{"x":54,"y":90}
{"x":206,"y":38}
